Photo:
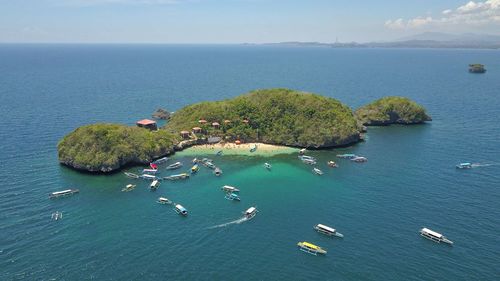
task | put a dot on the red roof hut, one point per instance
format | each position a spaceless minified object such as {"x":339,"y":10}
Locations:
{"x":148,"y":124}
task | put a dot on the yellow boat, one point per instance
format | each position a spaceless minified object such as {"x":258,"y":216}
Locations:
{"x":311,"y":248}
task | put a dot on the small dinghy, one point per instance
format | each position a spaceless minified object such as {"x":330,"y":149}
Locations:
{"x":218,"y":153}
{"x":317,"y":171}
{"x":63,"y":193}
{"x":267,"y":166}
{"x":129,"y":187}
{"x":57,"y":216}
{"x":302,"y":151}
{"x":154,"y":185}
{"x":218,"y":171}
{"x":164,"y":201}
{"x":332,"y":164}
{"x":254,"y":148}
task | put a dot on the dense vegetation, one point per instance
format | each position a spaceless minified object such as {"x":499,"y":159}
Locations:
{"x":392,"y":110}
{"x":276,"y":116}
{"x":107,"y":147}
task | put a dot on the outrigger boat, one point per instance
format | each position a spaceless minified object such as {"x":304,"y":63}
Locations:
{"x":347,"y":156}
{"x":129,"y":187}
{"x":217,"y":171}
{"x":308,"y":159}
{"x":179,"y":209}
{"x":317,"y":171}
{"x":148,"y":177}
{"x":327,"y":230}
{"x":465,"y":165}
{"x":131,"y":175}
{"x":194,"y":169}
{"x":332,"y":164}
{"x":174,"y":166}
{"x":434,"y":236}
{"x":154,"y":185}
{"x":254,"y":148}
{"x":177,"y":177}
{"x":250,"y":213}
{"x":209,"y":165}
{"x":149,"y":171}
{"x":359,"y":159}
{"x":267,"y":166}
{"x":164,"y":200}
{"x":63,"y":193}
{"x":160,"y":161}
{"x":232,"y":196}
{"x":229,"y":189}
{"x":311,"y":248}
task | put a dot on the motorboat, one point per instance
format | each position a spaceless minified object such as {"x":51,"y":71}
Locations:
{"x":267,"y":166}
{"x":57,"y":216}
{"x":179,"y":209}
{"x":131,"y":175}
{"x":327,"y":230}
{"x":218,"y":153}
{"x":217,"y":171}
{"x":174,"y":166}
{"x":177,"y":177}
{"x":149,"y":171}
{"x":250,"y":213}
{"x":311,"y":248}
{"x":308,"y":159}
{"x":209,"y":165}
{"x":63,"y":193}
{"x":465,"y":165}
{"x":232,"y":196}
{"x":164,"y":200}
{"x":195,"y":160}
{"x":317,"y":171}
{"x":154,"y":185}
{"x":302,"y":151}
{"x":195,"y":168}
{"x":148,"y":177}
{"x":254,"y":148}
{"x":434,"y":236}
{"x":332,"y":164}
{"x":229,"y":189}
{"x":128,"y":187}
{"x":160,"y":161}
{"x":359,"y":159}
{"x":347,"y":156}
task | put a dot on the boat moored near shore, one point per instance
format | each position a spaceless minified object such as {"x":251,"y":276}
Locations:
{"x":327,"y":230}
{"x":148,"y":177}
{"x":174,"y":166}
{"x":332,"y":164}
{"x":154,"y":185}
{"x":267,"y":166}
{"x":131,"y":175}
{"x":177,"y":177}
{"x":434,"y":236}
{"x":308,"y":159}
{"x":149,"y":171}
{"x":218,"y":171}
{"x":160,"y":161}
{"x":195,"y":168}
{"x":129,"y":187}
{"x":311,"y":248}
{"x":63,"y":193}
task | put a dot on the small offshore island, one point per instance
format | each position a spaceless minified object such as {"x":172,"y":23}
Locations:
{"x":271,"y":116}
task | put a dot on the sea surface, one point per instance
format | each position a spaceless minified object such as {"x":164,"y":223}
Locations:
{"x":409,"y":181}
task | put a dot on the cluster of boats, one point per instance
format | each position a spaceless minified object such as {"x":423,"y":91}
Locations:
{"x":332,"y":164}
{"x":314,"y":249}
{"x":353,"y":157}
{"x":231,"y":193}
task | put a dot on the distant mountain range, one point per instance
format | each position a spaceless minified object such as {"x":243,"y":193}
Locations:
{"x":422,"y":40}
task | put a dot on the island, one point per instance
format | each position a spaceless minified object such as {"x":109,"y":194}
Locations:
{"x":392,"y":110}
{"x":270,"y":116}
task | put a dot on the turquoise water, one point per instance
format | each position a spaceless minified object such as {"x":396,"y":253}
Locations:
{"x":409,"y":181}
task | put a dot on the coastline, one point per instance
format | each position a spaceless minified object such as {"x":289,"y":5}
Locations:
{"x":237,"y":149}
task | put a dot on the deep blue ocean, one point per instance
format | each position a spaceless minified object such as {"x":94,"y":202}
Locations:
{"x":409,"y":182}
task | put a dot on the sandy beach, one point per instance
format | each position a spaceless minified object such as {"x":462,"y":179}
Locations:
{"x":238,"y":149}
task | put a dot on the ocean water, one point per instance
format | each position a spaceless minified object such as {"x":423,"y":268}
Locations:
{"x":409,"y":181}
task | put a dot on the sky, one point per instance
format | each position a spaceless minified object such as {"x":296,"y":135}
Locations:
{"x":238,"y":21}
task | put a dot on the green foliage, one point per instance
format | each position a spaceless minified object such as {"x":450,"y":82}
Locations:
{"x":278,"y":116}
{"x":105,"y":147}
{"x":391,"y":110}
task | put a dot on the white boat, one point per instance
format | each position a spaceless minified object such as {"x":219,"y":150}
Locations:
{"x":347,"y":156}
{"x":317,"y":171}
{"x":131,"y":175}
{"x":164,"y":200}
{"x":57,"y":216}
{"x":174,"y":166}
{"x":179,"y":209}
{"x":267,"y":166}
{"x":434,"y":236}
{"x":160,"y":161}
{"x":327,"y":230}
{"x":217,"y":171}
{"x":63,"y":193}
{"x":359,"y":159}
{"x":232,"y":196}
{"x":195,"y":160}
{"x":308,"y":159}
{"x":302,"y":151}
{"x":250,"y":213}
{"x":332,"y":164}
{"x":465,"y":165}
{"x":229,"y":189}
{"x":311,"y":248}
{"x":148,"y":177}
{"x":177,"y":177}
{"x":154,"y":185}
{"x":149,"y":171}
{"x":128,"y":188}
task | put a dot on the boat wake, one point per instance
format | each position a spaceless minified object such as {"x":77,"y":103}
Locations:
{"x":483,"y":165}
{"x":238,"y":221}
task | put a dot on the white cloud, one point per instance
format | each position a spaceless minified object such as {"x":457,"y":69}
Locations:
{"x":469,"y":14}
{"x":111,"y":2}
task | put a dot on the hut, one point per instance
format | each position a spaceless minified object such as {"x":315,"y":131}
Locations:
{"x":185,"y":134}
{"x":196,"y":130}
{"x":202,"y":121}
{"x":216,"y":125}
{"x":146,"y":123}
